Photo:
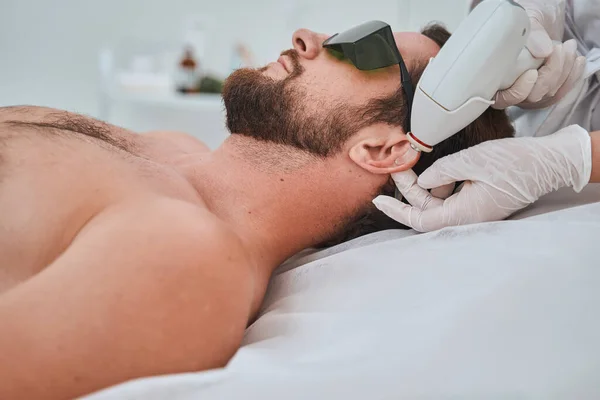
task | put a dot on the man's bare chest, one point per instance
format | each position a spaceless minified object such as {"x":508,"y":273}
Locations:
{"x":52,"y":184}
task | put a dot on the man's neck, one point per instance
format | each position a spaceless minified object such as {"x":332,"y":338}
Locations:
{"x":279,"y":200}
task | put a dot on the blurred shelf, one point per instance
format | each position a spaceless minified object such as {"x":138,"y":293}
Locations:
{"x":169,"y":99}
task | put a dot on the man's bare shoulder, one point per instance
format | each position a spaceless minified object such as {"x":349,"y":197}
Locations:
{"x":179,"y":139}
{"x":195,"y":237}
{"x":194,"y":254}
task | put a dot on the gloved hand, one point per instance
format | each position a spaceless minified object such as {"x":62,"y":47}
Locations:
{"x":562,"y":68}
{"x":502,"y":177}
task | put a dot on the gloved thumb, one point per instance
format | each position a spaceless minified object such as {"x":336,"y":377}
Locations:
{"x":443,"y":172}
{"x":539,"y":42}
{"x":443,"y":192}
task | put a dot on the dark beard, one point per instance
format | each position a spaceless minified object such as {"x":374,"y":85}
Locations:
{"x":273,"y":111}
{"x":277,"y":111}
{"x":261,"y":107}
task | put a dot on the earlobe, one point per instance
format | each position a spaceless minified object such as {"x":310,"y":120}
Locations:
{"x":384,"y":157}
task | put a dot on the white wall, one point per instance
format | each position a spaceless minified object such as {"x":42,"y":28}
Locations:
{"x":49,"y":48}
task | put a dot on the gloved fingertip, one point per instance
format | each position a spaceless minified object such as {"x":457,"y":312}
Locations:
{"x":518,"y":92}
{"x":531,"y":76}
{"x":503,"y":101}
{"x":383,"y":203}
{"x":536,"y":96}
{"x":539,"y":43}
{"x":555,"y":61}
{"x":526,"y":84}
{"x":377,"y":200}
{"x":576,"y":72}
{"x":393,"y":208}
{"x":580,"y":63}
{"x":500,"y":102}
{"x":428,"y":179}
{"x":570,"y":46}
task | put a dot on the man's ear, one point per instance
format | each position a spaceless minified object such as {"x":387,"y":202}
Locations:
{"x":383,"y":150}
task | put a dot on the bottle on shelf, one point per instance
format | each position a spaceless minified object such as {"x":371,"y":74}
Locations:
{"x":188,"y":72}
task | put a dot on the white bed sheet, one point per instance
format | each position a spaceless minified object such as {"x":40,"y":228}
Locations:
{"x":498,"y":310}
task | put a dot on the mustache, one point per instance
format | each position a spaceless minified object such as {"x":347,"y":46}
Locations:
{"x":293,"y":54}
{"x":297,"y":68}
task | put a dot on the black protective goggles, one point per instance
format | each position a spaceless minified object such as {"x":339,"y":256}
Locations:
{"x":370,"y":46}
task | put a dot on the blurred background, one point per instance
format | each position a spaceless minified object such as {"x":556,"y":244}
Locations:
{"x":159,"y":64}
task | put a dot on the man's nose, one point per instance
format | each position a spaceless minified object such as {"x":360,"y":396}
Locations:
{"x":308,"y":43}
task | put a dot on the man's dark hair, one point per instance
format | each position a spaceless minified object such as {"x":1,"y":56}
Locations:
{"x":492,"y":124}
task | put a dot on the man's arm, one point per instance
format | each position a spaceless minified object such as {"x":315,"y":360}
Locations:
{"x":151,"y":289}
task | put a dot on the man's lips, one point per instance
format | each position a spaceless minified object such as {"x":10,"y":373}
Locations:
{"x":281,"y":60}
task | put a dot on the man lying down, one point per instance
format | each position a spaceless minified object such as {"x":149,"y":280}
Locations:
{"x":126,"y":255}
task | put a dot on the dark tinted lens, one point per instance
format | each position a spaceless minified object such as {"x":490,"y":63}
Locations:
{"x":353,"y":35}
{"x":337,"y":54}
{"x":369,"y":46}
{"x":376,"y":51}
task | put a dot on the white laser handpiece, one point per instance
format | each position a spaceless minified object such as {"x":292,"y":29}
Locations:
{"x":486,"y":54}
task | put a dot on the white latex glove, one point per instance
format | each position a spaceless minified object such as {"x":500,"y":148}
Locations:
{"x":562,"y":68}
{"x":502,"y":177}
